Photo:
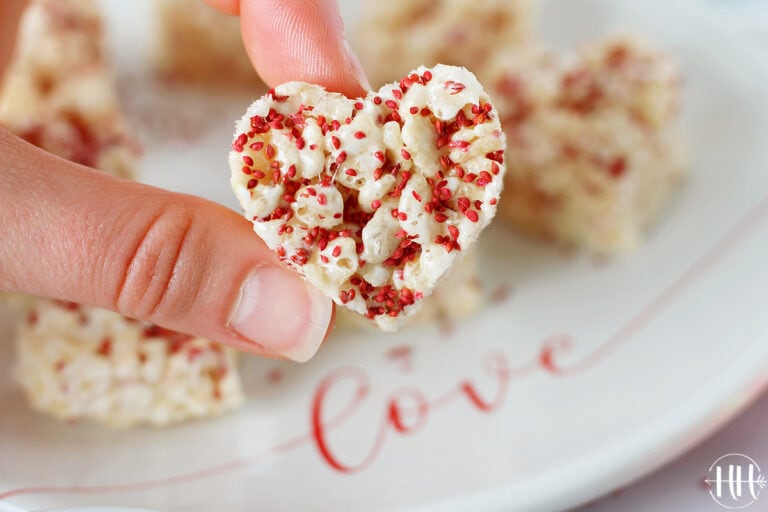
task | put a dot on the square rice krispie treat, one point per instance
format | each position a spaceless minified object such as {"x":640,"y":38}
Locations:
{"x":59,"y":93}
{"x":594,"y":140}
{"x":200,"y":45}
{"x":396,"y":36}
{"x":84,"y":363}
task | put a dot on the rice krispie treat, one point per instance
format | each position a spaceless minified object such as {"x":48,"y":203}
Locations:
{"x":196,"y":43}
{"x":398,"y":35}
{"x":595,"y":145}
{"x":458,"y":296}
{"x":371,"y":199}
{"x":58,"y":92}
{"x":84,"y":363}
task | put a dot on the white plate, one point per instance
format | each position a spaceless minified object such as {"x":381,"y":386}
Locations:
{"x":586,"y":377}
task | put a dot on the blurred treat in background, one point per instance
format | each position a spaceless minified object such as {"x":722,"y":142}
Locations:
{"x":59,"y":93}
{"x":595,"y":145}
{"x":84,"y":363}
{"x":458,"y":296}
{"x":396,"y":36}
{"x":199,"y":45}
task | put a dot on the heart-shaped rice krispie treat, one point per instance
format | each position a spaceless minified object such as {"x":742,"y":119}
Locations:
{"x":371,"y":199}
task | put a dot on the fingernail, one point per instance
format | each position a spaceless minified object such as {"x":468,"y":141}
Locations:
{"x":357,"y":69}
{"x":281,"y":312}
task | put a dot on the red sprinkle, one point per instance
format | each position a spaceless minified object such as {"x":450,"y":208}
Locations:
{"x":376,"y":204}
{"x":455,"y":87}
{"x":336,"y":142}
{"x":458,"y":144}
{"x":336,"y":251}
{"x":472,"y":215}
{"x":359,"y":135}
{"x":240,"y":142}
{"x":405,"y":154}
{"x":105,"y":347}
{"x":617,"y":167}
{"x":484,"y":179}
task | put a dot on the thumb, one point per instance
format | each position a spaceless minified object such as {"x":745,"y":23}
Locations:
{"x":73,"y":233}
{"x":298,"y":40}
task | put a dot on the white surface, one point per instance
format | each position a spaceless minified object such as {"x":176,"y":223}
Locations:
{"x":679,"y":486}
{"x":665,"y":344}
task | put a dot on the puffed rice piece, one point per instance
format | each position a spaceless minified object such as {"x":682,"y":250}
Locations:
{"x":85,"y":363}
{"x":395,"y":36}
{"x":459,"y":295}
{"x":59,"y":93}
{"x":595,"y":143}
{"x":371,"y":199}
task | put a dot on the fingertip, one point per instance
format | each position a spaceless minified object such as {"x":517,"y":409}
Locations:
{"x":357,"y":71}
{"x":281,"y":312}
{"x":301,"y":40}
